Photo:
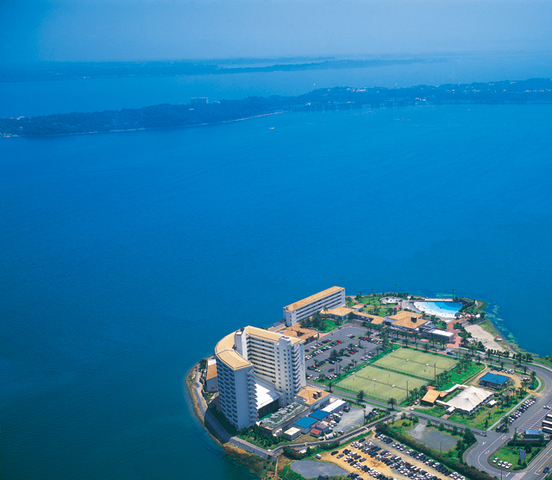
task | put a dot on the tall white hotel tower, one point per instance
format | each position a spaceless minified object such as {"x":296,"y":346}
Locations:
{"x":258,"y":372}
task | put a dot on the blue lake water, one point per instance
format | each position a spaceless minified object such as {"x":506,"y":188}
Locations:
{"x":126,"y":256}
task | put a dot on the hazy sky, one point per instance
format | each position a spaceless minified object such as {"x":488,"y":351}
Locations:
{"x":81,"y":30}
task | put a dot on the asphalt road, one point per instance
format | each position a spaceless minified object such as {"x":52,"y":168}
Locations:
{"x":480,"y":455}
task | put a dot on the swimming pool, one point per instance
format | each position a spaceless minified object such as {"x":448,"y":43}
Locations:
{"x":441,"y":309}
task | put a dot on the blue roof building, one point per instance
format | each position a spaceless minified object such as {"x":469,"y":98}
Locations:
{"x":492,"y":380}
{"x":305,"y":424}
{"x":319,"y":414}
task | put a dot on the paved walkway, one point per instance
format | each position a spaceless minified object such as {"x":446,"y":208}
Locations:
{"x":457,"y":338}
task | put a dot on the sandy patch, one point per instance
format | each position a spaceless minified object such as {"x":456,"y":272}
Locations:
{"x":486,"y":338}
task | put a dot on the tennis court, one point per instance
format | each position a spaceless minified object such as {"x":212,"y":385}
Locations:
{"x":414,"y":362}
{"x":380,"y":384}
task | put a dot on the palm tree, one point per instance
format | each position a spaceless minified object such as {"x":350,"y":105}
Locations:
{"x":330,"y":385}
{"x":392,"y":402}
{"x":525,"y":382}
{"x":360,"y":395}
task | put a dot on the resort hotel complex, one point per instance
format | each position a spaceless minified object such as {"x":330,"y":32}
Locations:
{"x":333,"y":365}
{"x":259,"y":376}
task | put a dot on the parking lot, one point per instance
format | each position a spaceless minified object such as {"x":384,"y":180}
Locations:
{"x":384,"y":459}
{"x":345,"y":340}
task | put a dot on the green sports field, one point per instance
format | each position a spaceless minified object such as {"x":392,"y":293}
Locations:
{"x":415,"y":362}
{"x":380,"y":384}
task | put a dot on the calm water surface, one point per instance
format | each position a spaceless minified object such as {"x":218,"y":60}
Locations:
{"x":90,"y":95}
{"x":126,"y":256}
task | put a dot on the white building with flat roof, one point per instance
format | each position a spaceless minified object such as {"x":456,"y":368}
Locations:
{"x":330,"y":298}
{"x":258,"y":371}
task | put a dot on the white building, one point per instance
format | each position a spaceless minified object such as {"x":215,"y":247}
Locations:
{"x":438,"y":334}
{"x":258,"y":371}
{"x":469,"y":399}
{"x":330,"y":298}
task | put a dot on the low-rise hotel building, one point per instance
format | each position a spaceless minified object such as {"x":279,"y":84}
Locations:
{"x":330,"y":298}
{"x":258,"y":372}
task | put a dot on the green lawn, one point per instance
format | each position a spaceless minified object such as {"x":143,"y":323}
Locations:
{"x":371,"y":300}
{"x":329,"y":325}
{"x":477,"y":420}
{"x":379,"y":311}
{"x":380,"y":384}
{"x":511,"y":454}
{"x":416,"y":362}
{"x":463,"y":377}
{"x":436,"y":411}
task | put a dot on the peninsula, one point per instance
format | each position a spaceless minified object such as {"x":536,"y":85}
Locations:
{"x":388,"y":385}
{"x":203,"y":113}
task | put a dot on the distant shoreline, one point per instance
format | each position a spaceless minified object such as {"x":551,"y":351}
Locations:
{"x":166,"y":116}
{"x":140,"y":129}
{"x":55,"y":71}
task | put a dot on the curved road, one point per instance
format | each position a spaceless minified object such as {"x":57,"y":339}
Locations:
{"x":478,"y":456}
{"x":489,"y":441}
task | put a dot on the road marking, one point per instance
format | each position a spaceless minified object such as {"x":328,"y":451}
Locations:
{"x":542,"y":465}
